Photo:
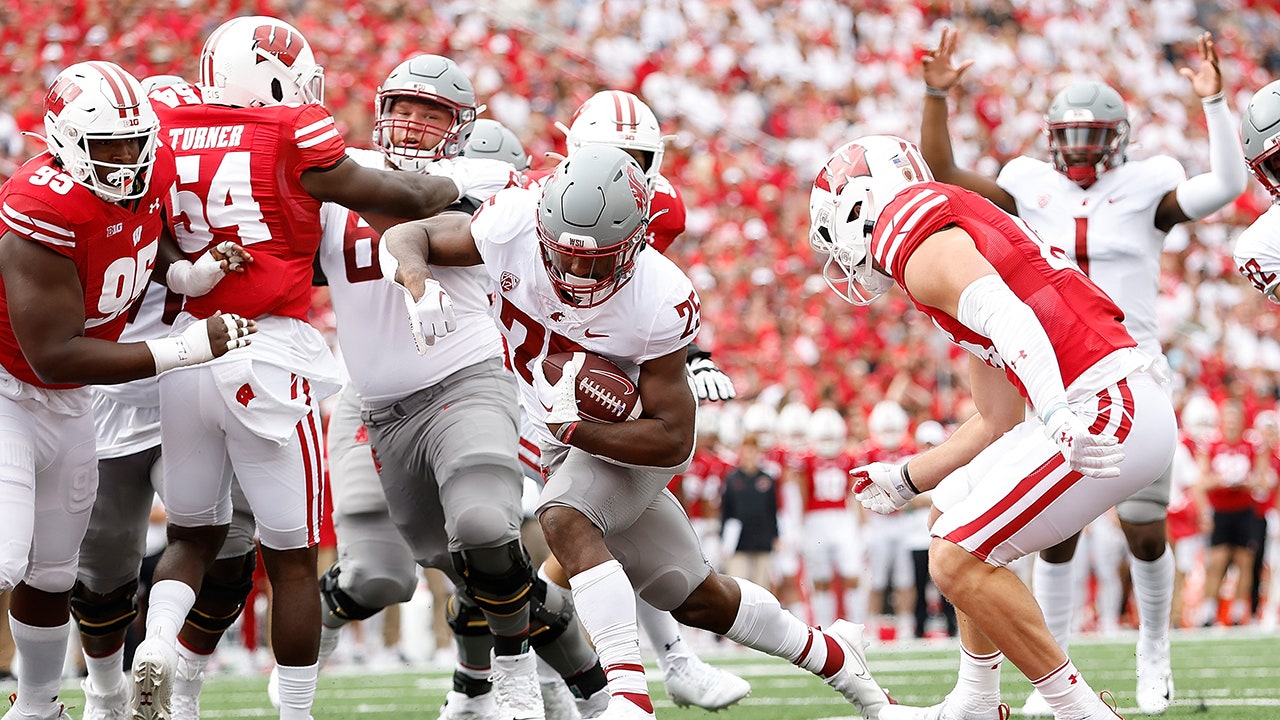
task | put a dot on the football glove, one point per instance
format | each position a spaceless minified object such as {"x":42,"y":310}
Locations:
{"x":1088,"y":454}
{"x":709,"y":382}
{"x":881,"y":487}
{"x":564,"y":403}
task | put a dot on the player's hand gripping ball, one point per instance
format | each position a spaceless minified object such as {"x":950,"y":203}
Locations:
{"x":603,"y":392}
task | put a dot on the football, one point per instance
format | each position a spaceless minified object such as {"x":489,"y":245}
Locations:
{"x":604,"y":393}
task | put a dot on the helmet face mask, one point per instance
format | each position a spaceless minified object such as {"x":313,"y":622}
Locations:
{"x":443,"y":107}
{"x":102,"y":130}
{"x":857,"y":181}
{"x":1260,"y":133}
{"x":1088,"y":129}
{"x":259,"y":61}
{"x":620,"y":119}
{"x":592,"y":219}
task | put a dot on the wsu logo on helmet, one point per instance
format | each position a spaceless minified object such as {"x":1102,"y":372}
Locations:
{"x":850,"y":162}
{"x":283,"y":43}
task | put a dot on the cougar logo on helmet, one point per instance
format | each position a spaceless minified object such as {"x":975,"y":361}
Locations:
{"x":281,"y":42}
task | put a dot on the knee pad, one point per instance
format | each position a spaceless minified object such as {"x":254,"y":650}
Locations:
{"x":464,"y":617}
{"x":496,"y":579}
{"x":547,"y":620}
{"x":337,"y":602}
{"x":1141,"y":512}
{"x":101,"y":614}
{"x":221,"y":598}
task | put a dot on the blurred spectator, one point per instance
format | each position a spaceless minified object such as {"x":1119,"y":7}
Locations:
{"x":749,"y":515}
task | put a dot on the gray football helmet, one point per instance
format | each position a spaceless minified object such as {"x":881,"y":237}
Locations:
{"x":491,"y":139}
{"x":592,"y":220}
{"x":1260,"y":131}
{"x":1088,"y":128}
{"x":427,"y":78}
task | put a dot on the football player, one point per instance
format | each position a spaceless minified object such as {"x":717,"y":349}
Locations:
{"x":81,"y":230}
{"x":567,"y":262}
{"x":1038,"y":332}
{"x":448,"y":488}
{"x":1110,"y":216}
{"x":257,"y":154}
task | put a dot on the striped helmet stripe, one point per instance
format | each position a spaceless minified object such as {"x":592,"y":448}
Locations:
{"x":126,"y":102}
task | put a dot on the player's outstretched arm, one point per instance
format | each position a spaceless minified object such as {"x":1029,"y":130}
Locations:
{"x":407,"y":249}
{"x":940,"y":75}
{"x":46,"y":309}
{"x":1208,"y":192}
{"x":373,"y":192}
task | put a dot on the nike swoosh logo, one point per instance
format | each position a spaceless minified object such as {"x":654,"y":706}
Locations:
{"x":545,"y":407}
{"x":588,"y":333}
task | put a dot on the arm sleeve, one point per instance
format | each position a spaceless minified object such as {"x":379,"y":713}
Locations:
{"x":1227,"y":177}
{"x":987,"y":306}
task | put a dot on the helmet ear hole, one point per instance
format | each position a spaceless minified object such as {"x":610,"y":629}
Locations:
{"x":277,"y":90}
{"x":854,"y":212}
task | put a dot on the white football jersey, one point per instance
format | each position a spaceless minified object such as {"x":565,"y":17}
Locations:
{"x":373,"y":327}
{"x":126,"y":417}
{"x":1108,"y":229}
{"x":654,"y":314}
{"x":1257,"y":253}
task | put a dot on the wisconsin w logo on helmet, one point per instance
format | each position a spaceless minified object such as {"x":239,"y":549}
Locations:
{"x":281,"y":42}
{"x":845,"y":164}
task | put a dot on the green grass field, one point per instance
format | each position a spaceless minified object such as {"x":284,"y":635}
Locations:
{"x":1231,"y":675}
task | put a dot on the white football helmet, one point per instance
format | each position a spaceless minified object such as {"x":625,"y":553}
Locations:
{"x":828,"y":432}
{"x":256,"y":61}
{"x":620,"y":119}
{"x":793,"y":424}
{"x":761,"y":420}
{"x":1260,"y":132}
{"x":434,"y":79}
{"x":930,"y":433}
{"x":95,"y":101}
{"x":1199,"y":417}
{"x":887,"y":424}
{"x":855,"y":184}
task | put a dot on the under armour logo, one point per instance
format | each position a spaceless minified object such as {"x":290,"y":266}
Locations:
{"x":144,"y":697}
{"x":1065,"y":439}
{"x":1074,"y":677}
{"x":244,"y":395}
{"x":362,"y":435}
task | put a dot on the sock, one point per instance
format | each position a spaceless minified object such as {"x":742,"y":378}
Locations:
{"x":106,"y":673}
{"x":1209,"y":611}
{"x":761,"y":624}
{"x":1054,"y":587}
{"x":855,"y":602}
{"x":979,"y":674}
{"x":40,"y":653}
{"x":1067,"y":693}
{"x":297,"y":690}
{"x":1153,"y":591}
{"x":606,"y":605}
{"x":167,"y":608}
{"x":189,"y":678}
{"x":663,"y":632}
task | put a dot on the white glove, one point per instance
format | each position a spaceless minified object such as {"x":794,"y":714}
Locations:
{"x":564,"y":403}
{"x":195,"y":279}
{"x":1088,"y":454}
{"x":710,"y":382}
{"x":881,"y":487}
{"x":431,"y":316}
{"x":480,"y":177}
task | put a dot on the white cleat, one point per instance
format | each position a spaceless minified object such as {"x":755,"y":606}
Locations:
{"x":154,"y":665}
{"x":594,"y":706}
{"x":515,"y":687}
{"x":273,"y":687}
{"x":59,"y":711}
{"x":186,"y":707}
{"x":460,"y":706}
{"x":1036,"y":706}
{"x":854,"y":680}
{"x":621,"y":708}
{"x":974,"y":708}
{"x":105,"y":706}
{"x":1155,"y":683}
{"x":690,"y":681}
{"x":558,"y":700}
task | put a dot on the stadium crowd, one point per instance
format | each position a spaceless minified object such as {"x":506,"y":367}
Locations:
{"x":755,"y":94}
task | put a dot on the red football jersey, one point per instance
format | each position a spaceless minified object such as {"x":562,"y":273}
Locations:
{"x":1082,"y":323}
{"x":826,"y":480}
{"x":114,"y":245}
{"x":239,"y":179}
{"x":702,"y":484}
{"x":1231,"y":463}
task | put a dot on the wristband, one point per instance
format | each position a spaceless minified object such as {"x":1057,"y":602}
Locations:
{"x":931,"y":91}
{"x":906,"y":477}
{"x":1213,"y":99}
{"x":565,"y":433}
{"x":172,"y":352}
